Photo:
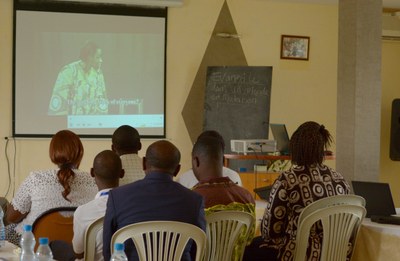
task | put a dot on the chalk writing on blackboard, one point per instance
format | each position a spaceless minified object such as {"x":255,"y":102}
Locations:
{"x":242,"y":88}
{"x":237,"y":101}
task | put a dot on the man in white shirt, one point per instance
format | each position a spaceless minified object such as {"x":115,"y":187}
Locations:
{"x":189,"y":180}
{"x":107,"y":170}
{"x":126,"y":143}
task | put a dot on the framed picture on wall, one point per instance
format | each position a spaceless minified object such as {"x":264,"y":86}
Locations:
{"x":295,"y":47}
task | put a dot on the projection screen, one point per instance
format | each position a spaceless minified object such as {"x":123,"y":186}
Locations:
{"x":89,"y":68}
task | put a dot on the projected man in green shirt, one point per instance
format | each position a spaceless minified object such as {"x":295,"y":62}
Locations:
{"x":80,"y":87}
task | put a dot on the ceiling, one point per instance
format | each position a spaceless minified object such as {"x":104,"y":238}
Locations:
{"x":385,"y":3}
{"x":391,"y":4}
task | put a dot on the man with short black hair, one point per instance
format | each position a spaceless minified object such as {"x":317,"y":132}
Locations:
{"x":126,"y":143}
{"x":219,"y":193}
{"x":156,"y":197}
{"x":106,"y":171}
{"x":189,"y":180}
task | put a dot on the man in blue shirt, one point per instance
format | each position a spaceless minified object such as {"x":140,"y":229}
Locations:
{"x":156,"y":197}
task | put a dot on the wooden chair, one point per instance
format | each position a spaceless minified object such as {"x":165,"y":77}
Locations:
{"x":227,"y":234}
{"x":90,"y":239}
{"x":55,"y":224}
{"x":161,"y":240}
{"x":340,"y":223}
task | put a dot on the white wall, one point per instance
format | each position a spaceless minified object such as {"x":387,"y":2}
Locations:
{"x":301,"y":90}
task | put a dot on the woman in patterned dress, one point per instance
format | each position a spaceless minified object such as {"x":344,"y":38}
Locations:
{"x":42,"y":190}
{"x":305,"y":182}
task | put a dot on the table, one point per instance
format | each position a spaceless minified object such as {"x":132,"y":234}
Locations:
{"x":377,"y":242}
{"x":261,"y":178}
{"x":257,"y":156}
{"x":9,"y":252}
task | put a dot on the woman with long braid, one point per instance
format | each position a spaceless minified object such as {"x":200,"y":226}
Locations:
{"x":42,"y":190}
{"x":305,"y":182}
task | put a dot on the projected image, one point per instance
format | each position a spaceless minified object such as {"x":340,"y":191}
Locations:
{"x":80,"y":87}
{"x":90,"y":73}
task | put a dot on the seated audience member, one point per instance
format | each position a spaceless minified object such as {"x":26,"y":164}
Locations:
{"x":306,"y":181}
{"x":126,"y":143}
{"x":156,"y":197}
{"x":189,"y":180}
{"x":219,"y":193}
{"x":46,"y":189}
{"x":107,"y":170}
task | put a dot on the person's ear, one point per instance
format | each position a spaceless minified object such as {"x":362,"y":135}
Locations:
{"x":92,"y":172}
{"x":122,"y":174}
{"x":195,"y":162}
{"x":178,"y":168}
{"x":144,"y":163}
{"x":139,"y":146}
{"x":113,"y":148}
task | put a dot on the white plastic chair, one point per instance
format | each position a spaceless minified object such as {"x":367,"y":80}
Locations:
{"x":349,"y":199}
{"x":224,"y":228}
{"x":339,"y":222}
{"x":161,"y":240}
{"x":90,"y":239}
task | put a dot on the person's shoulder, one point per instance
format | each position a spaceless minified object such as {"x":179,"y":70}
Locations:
{"x":184,"y":190}
{"x":82,"y":209}
{"x":43,"y":172}
{"x":83,"y":175}
{"x":233,"y":175}
{"x":42,"y":175}
{"x":247,"y":194}
{"x":70,"y":67}
{"x":127,"y":188}
{"x":130,"y":156}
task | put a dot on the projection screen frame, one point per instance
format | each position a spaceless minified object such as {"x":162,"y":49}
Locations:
{"x":117,"y":11}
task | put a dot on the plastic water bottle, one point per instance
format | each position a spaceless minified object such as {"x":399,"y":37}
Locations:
{"x":2,"y":229}
{"x":27,"y":244}
{"x":43,"y":252}
{"x":119,"y":254}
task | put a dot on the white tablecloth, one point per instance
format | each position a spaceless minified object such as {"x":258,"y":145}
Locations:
{"x":9,"y":252}
{"x":377,"y":242}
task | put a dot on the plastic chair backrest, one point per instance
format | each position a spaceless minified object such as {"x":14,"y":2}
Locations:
{"x":349,"y":199}
{"x":339,"y":222}
{"x":161,"y":240}
{"x":90,"y":238}
{"x":55,"y":224}
{"x":224,"y":228}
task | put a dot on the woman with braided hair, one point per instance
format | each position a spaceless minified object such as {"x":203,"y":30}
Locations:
{"x":308,"y":180}
{"x":42,"y":190}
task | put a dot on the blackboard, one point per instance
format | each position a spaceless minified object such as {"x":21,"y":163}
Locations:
{"x":237,"y":102}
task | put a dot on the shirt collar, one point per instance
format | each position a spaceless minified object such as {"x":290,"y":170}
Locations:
{"x":103,"y":192}
{"x":158,"y":175}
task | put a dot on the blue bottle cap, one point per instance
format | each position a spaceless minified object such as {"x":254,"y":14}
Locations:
{"x":119,"y":246}
{"x":27,"y":227}
{"x":43,"y":240}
